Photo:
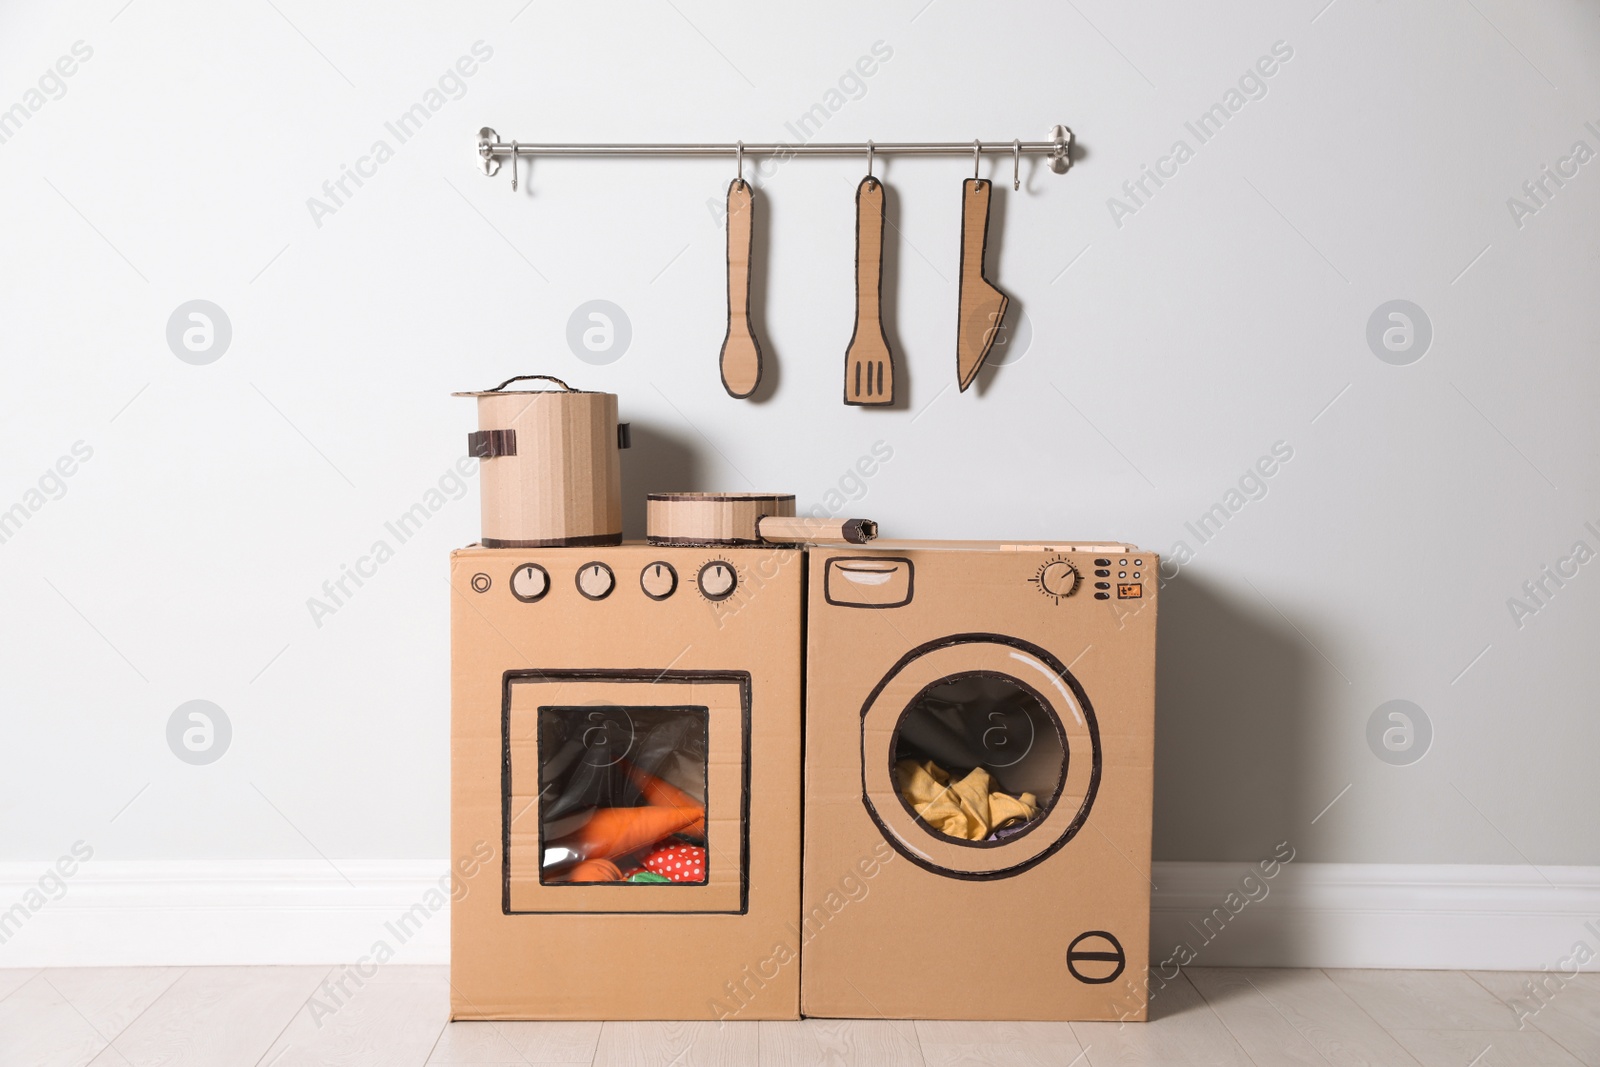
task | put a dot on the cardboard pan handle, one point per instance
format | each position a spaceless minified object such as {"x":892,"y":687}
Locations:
{"x":781,"y":529}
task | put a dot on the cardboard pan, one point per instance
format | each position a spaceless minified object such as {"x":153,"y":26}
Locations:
{"x":743,"y":519}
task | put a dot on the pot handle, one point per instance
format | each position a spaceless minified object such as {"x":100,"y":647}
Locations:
{"x":531,"y":378}
{"x":491,"y":444}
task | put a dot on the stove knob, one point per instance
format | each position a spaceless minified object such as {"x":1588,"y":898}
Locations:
{"x":659,"y":580}
{"x":530,"y":582}
{"x":595,"y":581}
{"x":718,"y":580}
{"x":1059,"y":578}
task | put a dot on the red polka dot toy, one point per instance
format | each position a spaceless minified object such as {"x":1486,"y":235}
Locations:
{"x":678,"y":863}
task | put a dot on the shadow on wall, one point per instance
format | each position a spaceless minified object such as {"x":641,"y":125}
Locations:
{"x":999,"y":203}
{"x":655,"y":462}
{"x":1233,"y":779}
{"x":889,"y":297}
{"x":1232,"y":700}
{"x":760,"y":262}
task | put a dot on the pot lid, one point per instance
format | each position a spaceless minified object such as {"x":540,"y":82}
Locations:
{"x":719,"y":496}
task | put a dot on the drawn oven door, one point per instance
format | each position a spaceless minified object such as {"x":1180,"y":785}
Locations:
{"x":625,"y":791}
{"x":980,"y":756}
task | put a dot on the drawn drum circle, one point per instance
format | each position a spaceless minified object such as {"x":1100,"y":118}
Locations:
{"x":1068,"y":714}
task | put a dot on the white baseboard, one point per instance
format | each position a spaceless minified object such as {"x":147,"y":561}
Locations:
{"x":195,"y":913}
{"x":1426,"y":916}
{"x":1313,"y":914}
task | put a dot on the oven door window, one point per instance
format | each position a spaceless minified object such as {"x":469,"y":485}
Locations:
{"x":626,"y":791}
{"x":622,"y":795}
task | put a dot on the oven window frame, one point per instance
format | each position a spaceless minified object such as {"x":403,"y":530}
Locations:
{"x":652,"y":677}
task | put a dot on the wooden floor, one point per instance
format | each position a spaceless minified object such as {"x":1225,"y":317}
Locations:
{"x":220,"y":1016}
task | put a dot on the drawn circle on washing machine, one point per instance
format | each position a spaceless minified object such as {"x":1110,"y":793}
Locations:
{"x":1060,"y":711}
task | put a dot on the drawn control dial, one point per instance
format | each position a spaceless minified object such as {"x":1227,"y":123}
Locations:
{"x":658,"y":580}
{"x":595,"y":581}
{"x":530,"y":582}
{"x":717,"y":580}
{"x":1058,"y":579}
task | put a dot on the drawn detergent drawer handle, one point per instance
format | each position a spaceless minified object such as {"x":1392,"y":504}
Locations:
{"x":868,"y":581}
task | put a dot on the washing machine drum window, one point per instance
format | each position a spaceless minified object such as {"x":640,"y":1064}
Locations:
{"x":980,"y":756}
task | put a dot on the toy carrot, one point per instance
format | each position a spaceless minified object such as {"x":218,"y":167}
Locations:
{"x":663,"y":794}
{"x":614,"y":832}
{"x":595,"y":870}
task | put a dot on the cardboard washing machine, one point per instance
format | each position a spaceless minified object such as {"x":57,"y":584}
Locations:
{"x":924,"y":662}
{"x":599,"y":692}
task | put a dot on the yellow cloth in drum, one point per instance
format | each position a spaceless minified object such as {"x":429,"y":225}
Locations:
{"x":967,"y":809}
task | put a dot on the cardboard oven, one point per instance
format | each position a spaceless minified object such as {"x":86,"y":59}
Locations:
{"x":979,"y":724}
{"x":626,"y":746}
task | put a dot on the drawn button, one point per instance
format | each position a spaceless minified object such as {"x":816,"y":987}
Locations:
{"x":1101,"y":956}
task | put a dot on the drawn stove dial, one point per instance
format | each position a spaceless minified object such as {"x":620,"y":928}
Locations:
{"x":717,"y":580}
{"x":530,"y":582}
{"x":1057,"y":579}
{"x":596,"y":581}
{"x":658,"y":580}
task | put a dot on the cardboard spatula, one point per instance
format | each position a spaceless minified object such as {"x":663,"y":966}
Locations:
{"x":981,"y":305}
{"x":868,"y":363}
{"x":741,"y":352}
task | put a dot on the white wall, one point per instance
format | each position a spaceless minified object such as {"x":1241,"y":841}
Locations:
{"x":1172,"y":346}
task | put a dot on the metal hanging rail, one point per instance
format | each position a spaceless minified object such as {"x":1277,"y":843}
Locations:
{"x":1058,"y":149}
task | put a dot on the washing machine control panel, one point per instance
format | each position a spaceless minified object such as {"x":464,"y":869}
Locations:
{"x":1115,"y":572}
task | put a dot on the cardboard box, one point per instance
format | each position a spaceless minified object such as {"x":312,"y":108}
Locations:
{"x":1047,"y":653}
{"x":629,"y":635}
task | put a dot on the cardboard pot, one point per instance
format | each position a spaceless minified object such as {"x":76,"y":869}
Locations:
{"x":551,"y":471}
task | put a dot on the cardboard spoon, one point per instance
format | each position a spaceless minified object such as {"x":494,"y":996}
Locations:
{"x":741,"y":352}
